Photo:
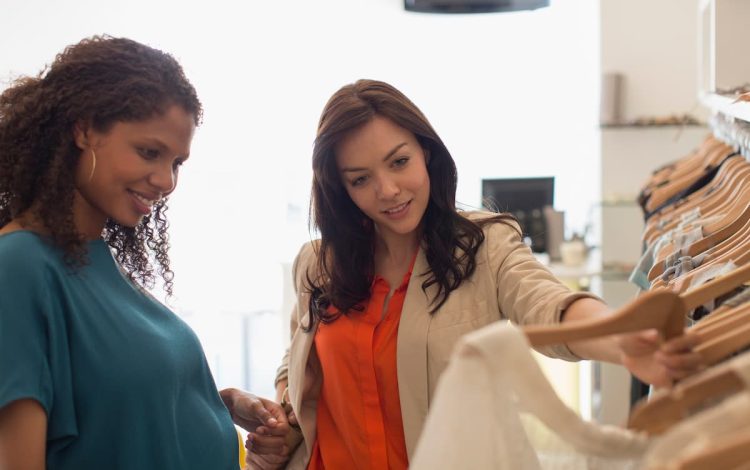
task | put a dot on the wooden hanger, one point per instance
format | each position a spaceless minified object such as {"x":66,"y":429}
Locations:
{"x":669,"y":216}
{"x":730,"y":309}
{"x":725,"y":344}
{"x":668,"y":406}
{"x":713,"y":246}
{"x":734,"y":251}
{"x":662,"y":194}
{"x":728,"y":204}
{"x":725,"y":323}
{"x":687,"y":164}
{"x":737,"y":202}
{"x":720,"y":235}
{"x":725,"y":336}
{"x":659,"y":308}
{"x":713,"y":238}
{"x":708,"y":199}
{"x":718,"y":286}
{"x":729,"y":453}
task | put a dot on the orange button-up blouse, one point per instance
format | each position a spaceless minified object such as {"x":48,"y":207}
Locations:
{"x":359,"y":422}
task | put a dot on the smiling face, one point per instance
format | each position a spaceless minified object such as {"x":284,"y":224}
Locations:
{"x":136,"y":165}
{"x":384,"y":171}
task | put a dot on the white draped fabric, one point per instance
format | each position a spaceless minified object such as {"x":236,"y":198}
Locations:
{"x":495,"y":409}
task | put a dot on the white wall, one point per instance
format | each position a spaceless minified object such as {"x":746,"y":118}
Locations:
{"x":510,"y":94}
{"x":654,"y":44}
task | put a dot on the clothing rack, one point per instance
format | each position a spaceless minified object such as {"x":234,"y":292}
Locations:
{"x":732,"y":131}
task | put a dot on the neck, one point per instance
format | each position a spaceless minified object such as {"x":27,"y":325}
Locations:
{"x":396,"y":248}
{"x":89,"y":222}
{"x":27,"y":220}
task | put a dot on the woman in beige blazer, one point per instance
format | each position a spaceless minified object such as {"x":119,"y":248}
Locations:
{"x":384,"y":198}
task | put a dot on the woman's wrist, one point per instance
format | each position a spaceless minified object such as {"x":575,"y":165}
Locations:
{"x":228,"y":396}
{"x":288,"y":409}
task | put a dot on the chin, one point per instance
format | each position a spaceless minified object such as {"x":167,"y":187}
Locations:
{"x":128,"y":222}
{"x":405,"y":229}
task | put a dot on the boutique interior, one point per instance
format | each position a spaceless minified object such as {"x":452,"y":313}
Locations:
{"x":616,"y":132}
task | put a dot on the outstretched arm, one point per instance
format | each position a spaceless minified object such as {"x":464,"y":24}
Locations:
{"x":645,"y":354}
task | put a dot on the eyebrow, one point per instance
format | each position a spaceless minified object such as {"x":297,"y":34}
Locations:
{"x":385,"y":159}
{"x":164,"y":147}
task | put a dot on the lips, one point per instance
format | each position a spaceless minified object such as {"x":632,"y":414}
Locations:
{"x":144,"y":202}
{"x":397,"y":209}
{"x":397,"y":212}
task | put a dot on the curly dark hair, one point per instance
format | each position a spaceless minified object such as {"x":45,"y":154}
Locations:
{"x":345,"y":256}
{"x":99,"y":81}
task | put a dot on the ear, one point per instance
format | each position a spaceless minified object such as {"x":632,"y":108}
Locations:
{"x":427,"y":155}
{"x":81,"y":135}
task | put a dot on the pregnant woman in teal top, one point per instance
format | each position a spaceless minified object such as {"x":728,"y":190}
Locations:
{"x":95,"y":373}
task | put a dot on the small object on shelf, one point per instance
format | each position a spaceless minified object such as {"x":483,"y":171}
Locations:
{"x":555,"y":228}
{"x":734,"y":91}
{"x":573,"y":251}
{"x":610,"y":99}
{"x":658,"y":121}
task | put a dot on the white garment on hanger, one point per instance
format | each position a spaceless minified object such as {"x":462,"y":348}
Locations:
{"x":495,"y":409}
{"x":475,"y":420}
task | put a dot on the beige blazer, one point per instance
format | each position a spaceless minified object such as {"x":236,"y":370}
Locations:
{"x":509,"y":283}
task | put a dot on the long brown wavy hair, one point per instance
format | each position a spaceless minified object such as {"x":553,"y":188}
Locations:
{"x":345,"y":255}
{"x":98,"y":82}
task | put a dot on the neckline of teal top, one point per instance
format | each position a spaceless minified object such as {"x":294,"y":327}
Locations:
{"x":46,"y":238}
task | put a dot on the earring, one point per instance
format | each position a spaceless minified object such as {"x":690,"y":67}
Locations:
{"x":93,"y":164}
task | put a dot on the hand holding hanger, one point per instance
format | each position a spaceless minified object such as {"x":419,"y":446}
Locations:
{"x":641,"y":353}
{"x":659,"y":309}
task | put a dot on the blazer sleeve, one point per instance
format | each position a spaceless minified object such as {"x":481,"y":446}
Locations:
{"x":304,"y":258}
{"x":527,"y":292}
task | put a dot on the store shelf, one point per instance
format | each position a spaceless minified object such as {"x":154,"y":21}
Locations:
{"x":726,"y":105}
{"x":650,"y":126}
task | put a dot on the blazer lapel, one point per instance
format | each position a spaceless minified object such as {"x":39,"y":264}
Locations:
{"x":412,"y":354}
{"x":299,"y":353}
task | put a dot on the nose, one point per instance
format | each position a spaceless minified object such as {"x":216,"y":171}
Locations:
{"x":387,"y":188}
{"x":163,"y":178}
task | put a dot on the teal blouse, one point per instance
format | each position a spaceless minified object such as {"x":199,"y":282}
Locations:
{"x":124,"y":381}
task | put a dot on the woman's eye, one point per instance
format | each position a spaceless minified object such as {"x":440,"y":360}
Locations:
{"x":401,"y":161}
{"x":148,"y":153}
{"x":177,"y":164}
{"x":358,"y":181}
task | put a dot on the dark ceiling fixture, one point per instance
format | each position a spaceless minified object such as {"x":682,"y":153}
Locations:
{"x":472,"y":6}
